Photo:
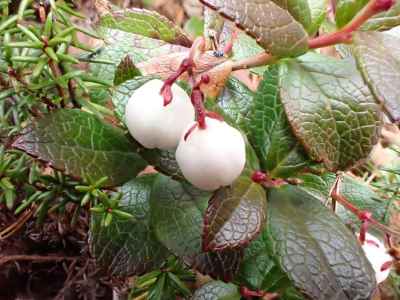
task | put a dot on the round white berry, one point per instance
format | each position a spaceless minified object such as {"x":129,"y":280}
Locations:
{"x":377,"y":255}
{"x":212,"y":157}
{"x":151,"y":123}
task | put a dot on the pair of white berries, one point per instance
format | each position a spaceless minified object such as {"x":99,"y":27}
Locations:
{"x":377,"y":255}
{"x":208,"y":158}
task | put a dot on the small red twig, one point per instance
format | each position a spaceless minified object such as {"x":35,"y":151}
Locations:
{"x":364,"y":216}
{"x":345,"y":34}
{"x":249,"y":294}
{"x":267,"y":181}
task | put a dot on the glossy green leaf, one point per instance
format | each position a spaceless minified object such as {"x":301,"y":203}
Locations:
{"x":177,"y":217}
{"x":315,"y":249}
{"x":330,"y":108}
{"x":126,"y":70}
{"x":128,"y":247}
{"x":385,"y":20}
{"x":82,"y":145}
{"x":177,"y":214}
{"x":267,"y":22}
{"x":258,"y":271}
{"x":122,"y":93}
{"x":163,"y":161}
{"x":378,"y":58}
{"x":310,"y":13}
{"x":235,"y":215}
{"x":347,"y":9}
{"x":269,"y":131}
{"x":222,"y":265}
{"x":235,"y":102}
{"x":217,"y":290}
{"x":146,"y":23}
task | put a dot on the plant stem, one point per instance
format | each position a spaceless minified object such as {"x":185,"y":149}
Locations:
{"x":362,"y":215}
{"x":254,"y":61}
{"x":345,"y":34}
{"x":57,"y":73}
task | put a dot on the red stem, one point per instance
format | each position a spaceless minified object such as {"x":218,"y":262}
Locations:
{"x":345,"y":34}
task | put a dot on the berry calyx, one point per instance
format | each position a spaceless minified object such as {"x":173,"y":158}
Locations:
{"x":213,"y":157}
{"x":151,"y":123}
{"x":378,"y":256}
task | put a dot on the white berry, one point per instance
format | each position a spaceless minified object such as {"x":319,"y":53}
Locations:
{"x":212,"y":157}
{"x":377,"y":255}
{"x":151,"y":123}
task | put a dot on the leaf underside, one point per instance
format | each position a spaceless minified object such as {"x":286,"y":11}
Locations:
{"x":217,"y":290}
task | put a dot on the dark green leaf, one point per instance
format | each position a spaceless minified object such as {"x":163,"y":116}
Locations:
{"x":318,"y":253}
{"x":177,"y":214}
{"x":258,"y":271}
{"x":222,"y":265}
{"x":269,"y":131}
{"x":235,"y":102}
{"x":126,"y":70}
{"x":82,"y":145}
{"x":177,"y":217}
{"x":217,"y":290}
{"x":146,"y":23}
{"x":267,"y":22}
{"x":330,"y":108}
{"x":235,"y":215}
{"x":378,"y":58}
{"x":163,"y":161}
{"x":127,"y":246}
{"x":347,"y":9}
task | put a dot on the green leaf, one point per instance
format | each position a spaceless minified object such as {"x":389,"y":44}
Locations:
{"x":217,"y":290}
{"x":267,"y":22}
{"x":258,"y":271}
{"x":235,"y":102}
{"x":318,"y":253}
{"x":235,"y":215}
{"x":385,"y":20}
{"x":146,"y":23}
{"x":194,"y":26}
{"x":128,"y":247}
{"x":246,"y":46}
{"x":82,"y":145}
{"x":126,"y":70}
{"x":122,"y":93}
{"x":177,"y":214}
{"x":378,"y":58}
{"x":119,"y":44}
{"x":164,"y":162}
{"x":346,"y":10}
{"x":221,"y":265}
{"x":330,"y":108}
{"x":269,"y":131}
{"x":310,"y":13}
{"x":177,"y":217}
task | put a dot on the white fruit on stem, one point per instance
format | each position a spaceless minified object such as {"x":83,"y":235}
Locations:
{"x":377,"y":255}
{"x":151,"y":123}
{"x":212,"y":157}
